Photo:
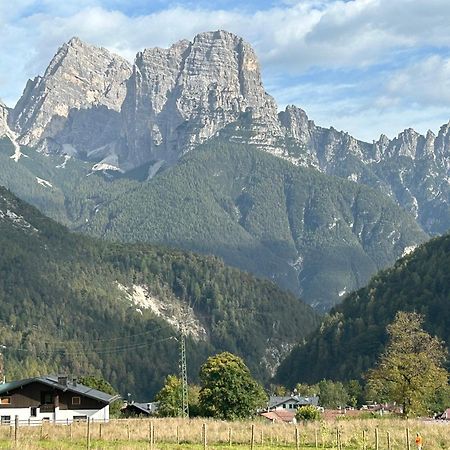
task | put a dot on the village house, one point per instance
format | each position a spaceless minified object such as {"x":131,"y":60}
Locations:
{"x":135,"y":409}
{"x":52,"y":398}
{"x":292,"y":402}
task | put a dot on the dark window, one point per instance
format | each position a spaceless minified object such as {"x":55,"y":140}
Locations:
{"x":33,"y":411}
{"x":79,"y":418}
{"x":76,"y":400}
{"x":284,"y":405}
{"x":5,"y":420}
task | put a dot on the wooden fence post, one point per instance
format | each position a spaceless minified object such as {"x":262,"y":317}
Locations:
{"x":16,"y":429}
{"x":204,"y":436}
{"x":408,"y":444}
{"x":389,"y":440}
{"x":230,"y":433}
{"x":262,"y":436}
{"x":178,"y":435}
{"x":128,"y":431}
{"x":377,"y":439}
{"x":297,"y":444}
{"x":364,"y":439}
{"x":100,"y":432}
{"x":252,"y":440}
{"x":316,"y":438}
{"x":151,"y":435}
{"x":88,"y":434}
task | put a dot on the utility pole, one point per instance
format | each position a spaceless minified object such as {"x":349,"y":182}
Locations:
{"x":183,"y":370}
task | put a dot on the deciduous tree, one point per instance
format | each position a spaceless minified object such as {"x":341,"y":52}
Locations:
{"x":228,"y":390}
{"x":410,"y":371}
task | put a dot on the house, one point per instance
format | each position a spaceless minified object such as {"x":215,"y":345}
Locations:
{"x":280,"y":416}
{"x":52,"y":398}
{"x":292,"y":402}
{"x":445,"y":415}
{"x":140,"y":409}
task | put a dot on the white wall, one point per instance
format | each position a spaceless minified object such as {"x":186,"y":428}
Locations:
{"x":59,"y":416}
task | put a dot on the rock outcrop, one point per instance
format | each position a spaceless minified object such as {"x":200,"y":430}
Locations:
{"x":74,"y":107}
{"x":179,"y":97}
{"x":3,"y":119}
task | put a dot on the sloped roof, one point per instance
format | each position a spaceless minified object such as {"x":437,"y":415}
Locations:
{"x":276,"y":400}
{"x":52,"y":381}
{"x":279,"y":416}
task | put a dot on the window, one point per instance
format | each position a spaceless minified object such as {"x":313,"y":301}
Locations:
{"x":79,"y":418}
{"x":5,"y":420}
{"x":33,"y":412}
{"x":284,"y":405}
{"x":5,"y":400}
{"x":76,"y":400}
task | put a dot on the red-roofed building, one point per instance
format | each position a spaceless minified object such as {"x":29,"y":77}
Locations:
{"x":280,"y":416}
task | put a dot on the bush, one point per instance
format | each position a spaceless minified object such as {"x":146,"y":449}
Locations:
{"x":307,"y":413}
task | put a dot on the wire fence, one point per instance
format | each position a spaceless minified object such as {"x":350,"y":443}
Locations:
{"x":158,"y":434}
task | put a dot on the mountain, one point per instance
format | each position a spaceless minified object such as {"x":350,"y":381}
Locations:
{"x":413,"y":169}
{"x":74,"y":108}
{"x":72,"y":303}
{"x":179,"y":97}
{"x":352,"y":336}
{"x":315,"y":235}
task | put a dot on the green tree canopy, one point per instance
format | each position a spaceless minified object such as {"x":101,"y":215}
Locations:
{"x":228,"y":390}
{"x":410,"y":371}
{"x":332,"y":394}
{"x":169,"y":397}
{"x":307,"y":413}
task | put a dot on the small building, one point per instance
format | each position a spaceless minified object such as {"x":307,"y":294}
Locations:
{"x":54,"y":399}
{"x":445,"y":415}
{"x":280,"y":416}
{"x":292,"y":402}
{"x":135,"y":409}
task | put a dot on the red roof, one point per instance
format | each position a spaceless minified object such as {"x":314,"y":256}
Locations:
{"x":279,"y":416}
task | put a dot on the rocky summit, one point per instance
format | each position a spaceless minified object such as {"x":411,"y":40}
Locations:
{"x":75,"y":107}
{"x":181,"y":96}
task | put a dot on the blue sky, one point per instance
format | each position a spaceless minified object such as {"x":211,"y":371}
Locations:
{"x":364,"y":66}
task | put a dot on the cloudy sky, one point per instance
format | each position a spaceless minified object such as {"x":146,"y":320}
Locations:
{"x":364,"y":66}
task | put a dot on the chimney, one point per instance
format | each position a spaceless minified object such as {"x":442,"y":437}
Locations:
{"x":62,"y":379}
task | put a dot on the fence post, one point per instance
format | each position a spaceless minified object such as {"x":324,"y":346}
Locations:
{"x":88,"y":434}
{"x":297,"y":446}
{"x":230,"y":433}
{"x":178,"y":435}
{"x":389,"y":440}
{"x":377,"y":439}
{"x":262,"y":437}
{"x":128,"y":431}
{"x":364,"y":439}
{"x":16,"y":428}
{"x":204,"y":436}
{"x":316,"y":438}
{"x":408,"y":444}
{"x":70,"y":430}
{"x":252,"y":441}
{"x":151,"y":432}
{"x":100,"y":431}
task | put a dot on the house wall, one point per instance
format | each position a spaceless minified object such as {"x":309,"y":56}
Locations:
{"x":288,"y":406}
{"x":58,"y":416}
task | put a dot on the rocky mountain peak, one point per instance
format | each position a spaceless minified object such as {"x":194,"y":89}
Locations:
{"x":82,"y":84}
{"x":180,"y":96}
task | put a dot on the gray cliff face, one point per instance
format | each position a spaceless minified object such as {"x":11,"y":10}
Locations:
{"x":413,"y":169}
{"x":179,"y":97}
{"x":75,"y":106}
{"x":4,"y":129}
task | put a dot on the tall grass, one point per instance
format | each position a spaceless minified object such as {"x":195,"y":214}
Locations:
{"x":355,"y":434}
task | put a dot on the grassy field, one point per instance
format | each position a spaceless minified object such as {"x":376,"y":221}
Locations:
{"x":178,"y":434}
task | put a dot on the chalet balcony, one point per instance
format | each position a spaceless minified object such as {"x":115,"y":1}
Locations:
{"x":47,"y":408}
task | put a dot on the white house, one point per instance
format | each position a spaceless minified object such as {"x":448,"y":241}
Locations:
{"x":52,"y":398}
{"x":292,"y":402}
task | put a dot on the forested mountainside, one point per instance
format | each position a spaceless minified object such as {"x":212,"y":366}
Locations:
{"x":316,"y":235}
{"x":354,"y":333}
{"x":70,"y":303}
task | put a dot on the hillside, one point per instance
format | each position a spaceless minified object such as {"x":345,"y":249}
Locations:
{"x":72,"y":303}
{"x":353,"y":335}
{"x":316,"y":235}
